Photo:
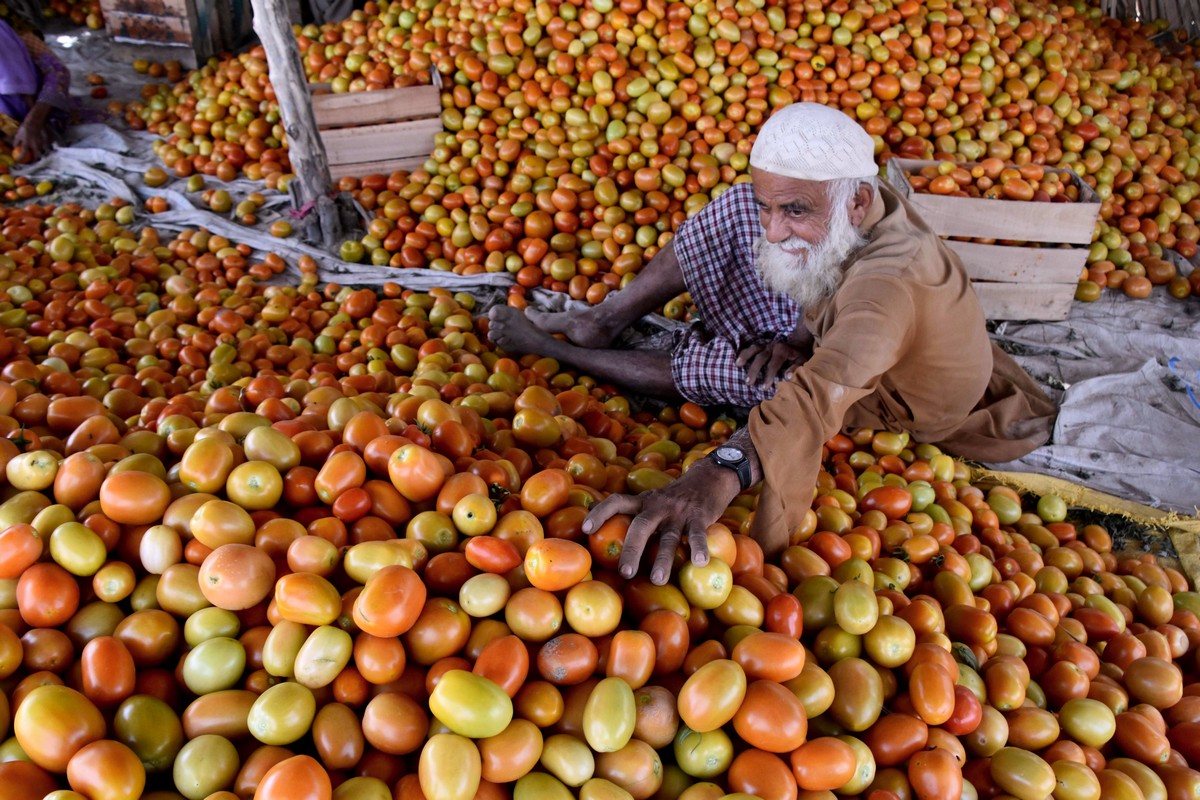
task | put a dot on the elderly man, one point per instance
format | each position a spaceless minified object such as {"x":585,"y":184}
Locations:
{"x":899,"y":344}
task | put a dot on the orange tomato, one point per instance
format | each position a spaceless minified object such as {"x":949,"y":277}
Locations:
{"x":134,"y":498}
{"x":236,"y":576}
{"x":762,"y":774}
{"x":106,"y":770}
{"x":823,"y":764}
{"x":712,"y":695}
{"x":342,"y":471}
{"x":556,"y":564}
{"x":546,"y":491}
{"x":441,"y":629}
{"x":295,"y":778}
{"x":932,"y":691}
{"x":78,"y":480}
{"x":935,"y":773}
{"x":771,"y":718}
{"x":391,"y":601}
{"x":771,"y":656}
{"x":504,"y":661}
{"x":53,"y":723}
{"x":307,"y":598}
{"x":416,"y":472}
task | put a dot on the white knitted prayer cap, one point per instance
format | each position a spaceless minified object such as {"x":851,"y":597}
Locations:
{"x":813,"y":142}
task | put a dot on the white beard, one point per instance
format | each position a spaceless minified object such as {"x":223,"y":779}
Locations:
{"x":811,"y":272}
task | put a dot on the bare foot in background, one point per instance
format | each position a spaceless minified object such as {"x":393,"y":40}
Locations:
{"x":514,"y":333}
{"x":586,"y":327}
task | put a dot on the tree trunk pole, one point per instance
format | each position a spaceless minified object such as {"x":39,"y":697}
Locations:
{"x":306,"y":152}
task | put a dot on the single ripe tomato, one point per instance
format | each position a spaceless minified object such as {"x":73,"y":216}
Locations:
{"x":295,"y":778}
{"x":416,"y":472}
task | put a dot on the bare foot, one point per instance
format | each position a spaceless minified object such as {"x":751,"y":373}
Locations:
{"x":585,"y":327}
{"x":513,"y":333}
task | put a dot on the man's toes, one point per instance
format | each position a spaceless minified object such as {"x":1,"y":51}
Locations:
{"x":542,"y":319}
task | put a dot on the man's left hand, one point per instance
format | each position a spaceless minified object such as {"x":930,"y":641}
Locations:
{"x":766,"y":362}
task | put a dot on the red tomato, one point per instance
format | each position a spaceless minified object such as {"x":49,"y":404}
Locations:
{"x":20,"y":547}
{"x":968,"y":712}
{"x":492,"y":554}
{"x":47,"y":595}
{"x":108,"y":674}
{"x":893,"y":501}
{"x":504,"y":661}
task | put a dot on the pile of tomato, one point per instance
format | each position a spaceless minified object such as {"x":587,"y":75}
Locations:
{"x":316,"y":542}
{"x":578,"y":136}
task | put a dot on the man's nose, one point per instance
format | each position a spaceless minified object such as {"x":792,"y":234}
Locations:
{"x":774,"y":229}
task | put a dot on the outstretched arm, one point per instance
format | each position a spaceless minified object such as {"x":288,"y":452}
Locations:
{"x":684,"y":508}
{"x":33,"y":137}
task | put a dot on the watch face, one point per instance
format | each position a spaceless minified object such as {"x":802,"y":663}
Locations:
{"x":729,"y":453}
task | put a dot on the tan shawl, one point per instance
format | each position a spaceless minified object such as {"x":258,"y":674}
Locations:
{"x":901,"y":345}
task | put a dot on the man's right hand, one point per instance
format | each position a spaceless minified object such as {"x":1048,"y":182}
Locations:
{"x":687,"y":506}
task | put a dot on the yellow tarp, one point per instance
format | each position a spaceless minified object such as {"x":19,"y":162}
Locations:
{"x":1183,"y":531}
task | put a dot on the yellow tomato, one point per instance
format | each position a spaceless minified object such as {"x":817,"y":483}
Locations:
{"x":471,"y":705}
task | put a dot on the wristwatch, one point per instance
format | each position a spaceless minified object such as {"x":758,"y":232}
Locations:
{"x":733,"y":458}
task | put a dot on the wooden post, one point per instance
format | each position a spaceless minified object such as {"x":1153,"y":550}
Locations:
{"x":312,"y":186}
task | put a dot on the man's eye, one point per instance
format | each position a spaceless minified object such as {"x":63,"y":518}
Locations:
{"x":795,"y":213}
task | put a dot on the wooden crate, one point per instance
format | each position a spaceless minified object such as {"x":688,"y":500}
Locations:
{"x":187,"y":31}
{"x":1022,"y":282}
{"x":1011,"y":220}
{"x":1012,"y":282}
{"x":381,"y":131}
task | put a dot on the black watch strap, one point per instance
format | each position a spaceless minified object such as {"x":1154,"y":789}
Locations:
{"x":733,"y":458}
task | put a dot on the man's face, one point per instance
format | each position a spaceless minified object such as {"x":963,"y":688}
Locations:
{"x":808,"y":233}
{"x":791,"y":210}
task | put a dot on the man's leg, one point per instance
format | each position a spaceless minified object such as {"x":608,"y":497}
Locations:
{"x":647,"y":371}
{"x":598,"y":326}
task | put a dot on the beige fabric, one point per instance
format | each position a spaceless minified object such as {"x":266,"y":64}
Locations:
{"x":901,"y":346}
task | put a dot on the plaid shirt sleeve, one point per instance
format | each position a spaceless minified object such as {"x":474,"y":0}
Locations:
{"x":706,"y":372}
{"x":716,"y":253}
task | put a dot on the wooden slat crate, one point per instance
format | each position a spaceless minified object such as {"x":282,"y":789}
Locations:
{"x":1012,"y":282}
{"x":188,"y":31}
{"x":381,"y":131}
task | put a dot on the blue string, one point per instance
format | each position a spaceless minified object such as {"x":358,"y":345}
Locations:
{"x":1173,"y":365}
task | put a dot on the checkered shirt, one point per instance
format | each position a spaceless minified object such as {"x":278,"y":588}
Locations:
{"x":715,"y":249}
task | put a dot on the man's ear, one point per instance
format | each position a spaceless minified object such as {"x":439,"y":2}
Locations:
{"x":860,"y":203}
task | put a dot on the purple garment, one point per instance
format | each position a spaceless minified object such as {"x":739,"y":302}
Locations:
{"x":715,"y":249}
{"x":18,"y":75}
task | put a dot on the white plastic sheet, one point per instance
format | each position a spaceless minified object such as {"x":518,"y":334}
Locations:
{"x":1127,"y":373}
